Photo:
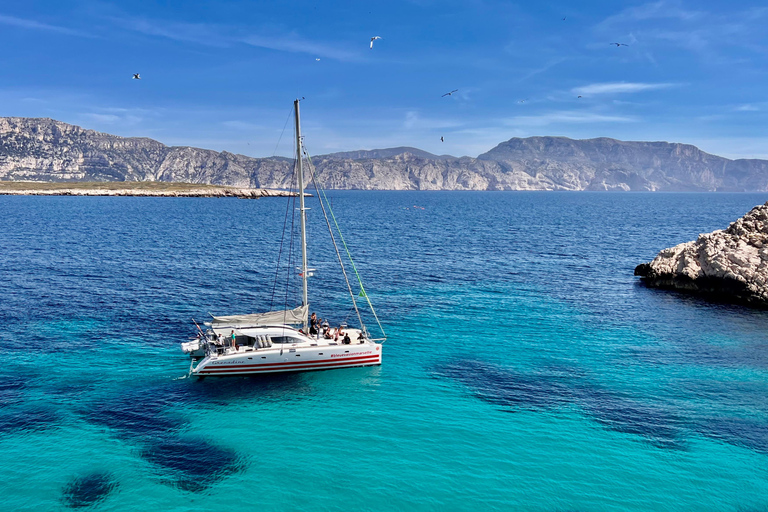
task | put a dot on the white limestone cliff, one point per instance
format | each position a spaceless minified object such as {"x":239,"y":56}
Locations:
{"x":729,"y":264}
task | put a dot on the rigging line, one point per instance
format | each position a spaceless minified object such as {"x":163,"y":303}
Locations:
{"x":335,"y":246}
{"x":282,"y":240}
{"x":282,"y":132}
{"x":359,"y":280}
{"x":333,"y":239}
{"x":290,"y":249}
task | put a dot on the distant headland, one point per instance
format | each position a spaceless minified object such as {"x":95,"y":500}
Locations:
{"x":45,"y":150}
{"x":133,"y":188}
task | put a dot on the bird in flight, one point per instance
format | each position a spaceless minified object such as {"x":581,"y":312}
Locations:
{"x":373,"y":39}
{"x":523,"y":101}
{"x":578,"y":96}
{"x":449,"y":93}
{"x":136,"y":76}
{"x":620,"y":44}
{"x":317,"y":60}
{"x":442,"y":140}
{"x":564,"y":17}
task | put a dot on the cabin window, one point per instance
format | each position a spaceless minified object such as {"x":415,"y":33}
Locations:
{"x":243,"y":340}
{"x":286,"y":339}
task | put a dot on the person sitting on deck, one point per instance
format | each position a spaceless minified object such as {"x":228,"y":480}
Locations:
{"x":327,"y":332}
{"x":346,"y":339}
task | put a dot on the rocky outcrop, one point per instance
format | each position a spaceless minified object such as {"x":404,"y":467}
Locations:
{"x":47,"y":150}
{"x":729,"y":265}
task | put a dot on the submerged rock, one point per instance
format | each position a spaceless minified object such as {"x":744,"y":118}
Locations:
{"x":87,"y":490}
{"x":729,"y":265}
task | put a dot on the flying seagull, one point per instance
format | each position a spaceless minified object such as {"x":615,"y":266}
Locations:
{"x":317,"y":60}
{"x":373,"y":39}
{"x":449,"y":93}
{"x":441,"y":139}
{"x":564,"y":17}
{"x":136,"y":76}
{"x":620,"y":44}
{"x":578,"y":96}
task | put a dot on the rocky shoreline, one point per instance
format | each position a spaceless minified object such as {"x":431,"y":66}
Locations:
{"x":243,"y":193}
{"x":729,"y":265}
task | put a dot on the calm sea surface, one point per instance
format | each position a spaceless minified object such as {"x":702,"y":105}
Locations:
{"x":525,"y":368}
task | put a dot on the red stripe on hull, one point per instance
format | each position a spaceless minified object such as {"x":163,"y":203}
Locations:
{"x":294,"y":363}
{"x":283,"y":367}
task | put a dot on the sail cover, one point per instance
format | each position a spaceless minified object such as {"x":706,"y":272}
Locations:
{"x":290,"y":316}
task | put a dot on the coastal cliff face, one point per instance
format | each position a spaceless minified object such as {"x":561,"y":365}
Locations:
{"x":730,"y":264}
{"x":34,"y":149}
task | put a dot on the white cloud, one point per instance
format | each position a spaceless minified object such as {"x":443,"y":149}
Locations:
{"x":653,"y":10}
{"x":200,"y":33}
{"x":110,"y":119}
{"x":618,"y":87}
{"x":296,"y":44}
{"x":36,"y":25}
{"x":242,"y":125}
{"x":223,"y":36}
{"x":414,"y":120}
{"x":566,"y":117}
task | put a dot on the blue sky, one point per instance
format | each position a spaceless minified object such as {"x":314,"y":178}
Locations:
{"x":223,"y":75}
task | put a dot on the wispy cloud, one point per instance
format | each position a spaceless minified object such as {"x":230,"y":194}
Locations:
{"x":207,"y":34}
{"x":566,"y":117}
{"x":541,"y":69}
{"x":98,"y":120}
{"x":653,"y":10}
{"x":242,"y":125}
{"x":36,"y":25}
{"x":199,"y":33}
{"x":619,"y":87}
{"x":414,"y":120}
{"x":709,"y":34}
{"x":294,"y":43}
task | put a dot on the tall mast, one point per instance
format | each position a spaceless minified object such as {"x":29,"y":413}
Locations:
{"x":302,"y":214}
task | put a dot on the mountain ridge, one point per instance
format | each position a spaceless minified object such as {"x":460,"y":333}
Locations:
{"x":43,"y":149}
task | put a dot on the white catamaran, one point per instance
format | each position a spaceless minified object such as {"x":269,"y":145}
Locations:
{"x":271,"y":342}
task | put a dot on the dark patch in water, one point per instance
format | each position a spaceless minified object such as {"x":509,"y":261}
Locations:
{"x":88,"y":490}
{"x":138,"y":417}
{"x":195,"y":463}
{"x":517,"y":390}
{"x":20,"y":421}
{"x":622,"y":414}
{"x":510,"y":388}
{"x":11,"y":391}
{"x":739,"y":432}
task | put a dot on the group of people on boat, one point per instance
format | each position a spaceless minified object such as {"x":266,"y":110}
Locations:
{"x":318,"y":327}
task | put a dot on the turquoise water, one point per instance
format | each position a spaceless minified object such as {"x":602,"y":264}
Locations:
{"x":525,"y":367}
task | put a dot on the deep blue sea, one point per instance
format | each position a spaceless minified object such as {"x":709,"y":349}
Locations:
{"x":525,"y":367}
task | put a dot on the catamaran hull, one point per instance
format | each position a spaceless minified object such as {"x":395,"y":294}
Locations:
{"x":272,"y":361}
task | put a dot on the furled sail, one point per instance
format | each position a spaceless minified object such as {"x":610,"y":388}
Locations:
{"x":290,"y":316}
